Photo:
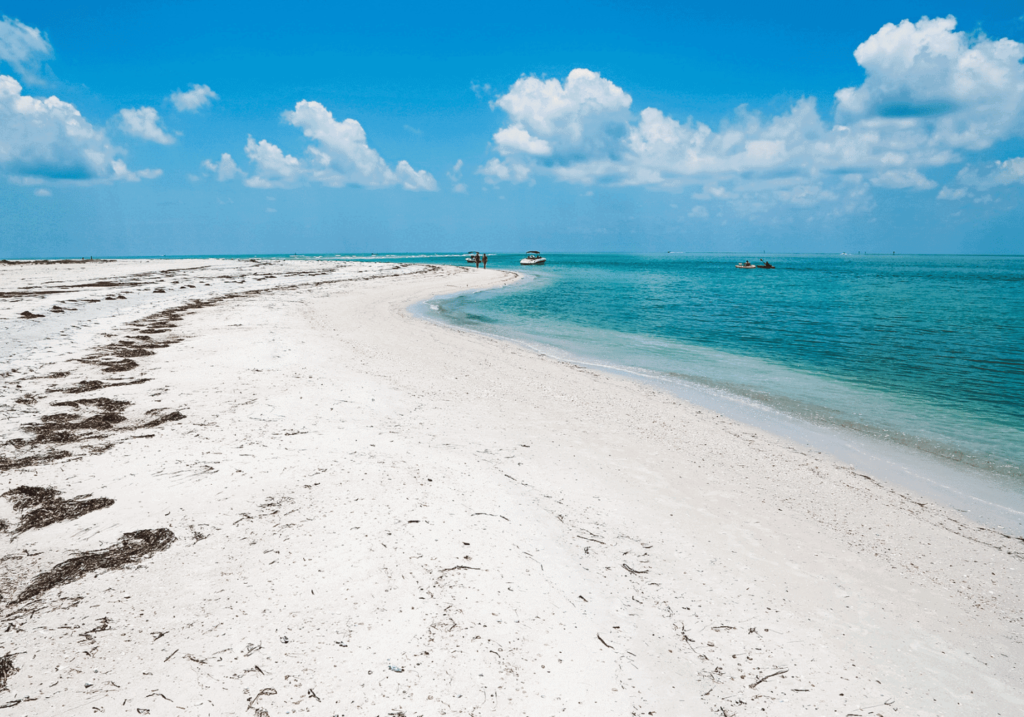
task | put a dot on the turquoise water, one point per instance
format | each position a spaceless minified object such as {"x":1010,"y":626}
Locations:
{"x":926,"y":352}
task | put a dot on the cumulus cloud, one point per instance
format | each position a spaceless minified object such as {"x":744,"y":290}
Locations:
{"x":41,"y":192}
{"x":197,"y":97}
{"x":48,"y":139}
{"x":988,"y":176}
{"x":225,"y":168}
{"x":144,"y":123}
{"x":23,"y":48}
{"x":273,"y":167}
{"x":930,"y":96}
{"x":340,"y":157}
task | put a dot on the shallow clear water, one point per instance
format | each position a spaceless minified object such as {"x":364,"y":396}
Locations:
{"x":923,"y":351}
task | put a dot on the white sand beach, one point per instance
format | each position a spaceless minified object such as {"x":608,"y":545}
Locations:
{"x":373,"y":514}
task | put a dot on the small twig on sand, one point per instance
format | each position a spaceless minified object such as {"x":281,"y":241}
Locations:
{"x":603,"y":642}
{"x":170,"y":656}
{"x":493,"y":516}
{"x":635,"y":572}
{"x":458,"y":567}
{"x":592,"y":540}
{"x":264,"y":691}
{"x":768,"y":677}
{"x":312,"y":694}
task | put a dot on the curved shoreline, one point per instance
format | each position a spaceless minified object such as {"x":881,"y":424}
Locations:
{"x":961,"y":488}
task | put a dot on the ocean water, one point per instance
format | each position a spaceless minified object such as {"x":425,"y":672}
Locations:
{"x":923,"y":353}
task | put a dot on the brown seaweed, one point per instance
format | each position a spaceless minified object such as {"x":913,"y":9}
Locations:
{"x":133,"y":548}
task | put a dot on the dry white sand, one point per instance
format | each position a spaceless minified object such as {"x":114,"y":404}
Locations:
{"x":376,"y":515}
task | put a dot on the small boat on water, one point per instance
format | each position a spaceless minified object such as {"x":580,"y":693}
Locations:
{"x":746,"y":265}
{"x":474,"y":257}
{"x":533,"y":258}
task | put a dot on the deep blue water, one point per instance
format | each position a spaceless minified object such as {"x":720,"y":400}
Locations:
{"x":923,"y":351}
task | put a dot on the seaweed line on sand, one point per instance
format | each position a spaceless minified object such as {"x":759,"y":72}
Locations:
{"x":132,"y":549}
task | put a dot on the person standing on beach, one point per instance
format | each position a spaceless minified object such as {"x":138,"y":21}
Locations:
{"x":476,"y":258}
{"x":485,"y":261}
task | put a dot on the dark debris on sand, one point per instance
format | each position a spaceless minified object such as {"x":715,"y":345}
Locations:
{"x":7,"y":464}
{"x":7,"y":669}
{"x":44,"y":506}
{"x":132,"y":549}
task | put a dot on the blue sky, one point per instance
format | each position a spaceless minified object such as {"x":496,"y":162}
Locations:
{"x":573,"y":127}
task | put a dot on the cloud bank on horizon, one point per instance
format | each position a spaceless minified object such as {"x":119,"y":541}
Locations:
{"x":932,"y":97}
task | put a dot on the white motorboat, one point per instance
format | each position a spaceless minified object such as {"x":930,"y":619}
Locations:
{"x":746,"y":265}
{"x":533,"y":258}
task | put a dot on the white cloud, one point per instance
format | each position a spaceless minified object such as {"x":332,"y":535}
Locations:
{"x":699,"y":212}
{"x":930,"y":95}
{"x":23,"y":48}
{"x":43,"y":193}
{"x":455,"y":174}
{"x":952,"y":194}
{"x":996,"y":174}
{"x":341,"y":157}
{"x":197,"y":97}
{"x":48,"y":139}
{"x":903,"y":179}
{"x":965,"y":91}
{"x":122,"y":172}
{"x":273,"y":167}
{"x":225,"y":168}
{"x":516,"y":139}
{"x":143,"y":123}
{"x":413,"y":180}
{"x":496,"y":171}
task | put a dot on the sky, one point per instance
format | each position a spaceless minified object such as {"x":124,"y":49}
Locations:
{"x":160,"y":128}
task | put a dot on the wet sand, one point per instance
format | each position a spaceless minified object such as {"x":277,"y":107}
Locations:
{"x":267,"y":487}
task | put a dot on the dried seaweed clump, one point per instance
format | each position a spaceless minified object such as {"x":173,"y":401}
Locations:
{"x":172,"y":416}
{"x":26,"y":496}
{"x":7,"y":669}
{"x":28,"y":461}
{"x":83,"y":386}
{"x":132,"y":549}
{"x":108,"y":405}
{"x":46,"y":507}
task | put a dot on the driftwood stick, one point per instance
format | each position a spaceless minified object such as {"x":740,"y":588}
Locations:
{"x":768,"y":677}
{"x":603,"y":642}
{"x":635,"y":572}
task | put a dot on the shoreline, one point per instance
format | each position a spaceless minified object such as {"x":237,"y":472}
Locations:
{"x":374,"y":513}
{"x":984,"y":498}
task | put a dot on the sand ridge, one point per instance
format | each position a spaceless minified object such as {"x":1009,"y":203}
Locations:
{"x":378,"y":515}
